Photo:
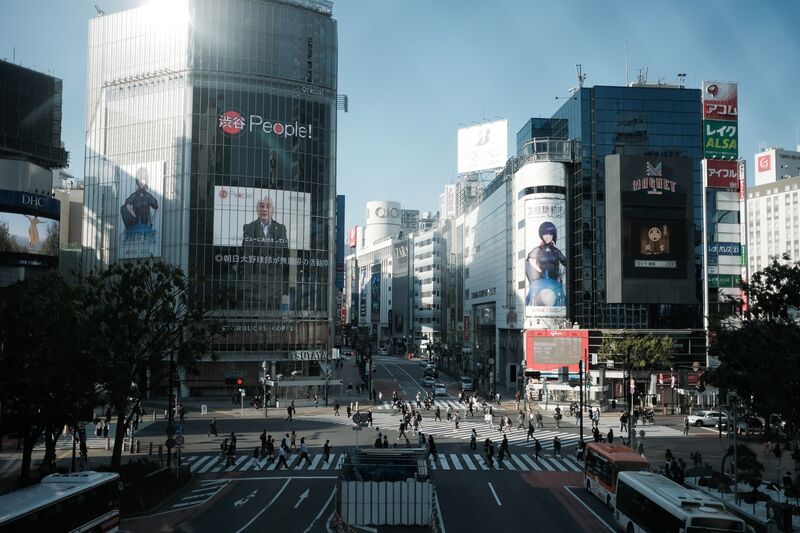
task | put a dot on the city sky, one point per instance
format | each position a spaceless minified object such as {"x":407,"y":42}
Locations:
{"x":417,"y":70}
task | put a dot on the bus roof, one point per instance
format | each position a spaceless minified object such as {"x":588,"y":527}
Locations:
{"x":662,"y":487}
{"x":617,"y":452}
{"x":52,"y":488}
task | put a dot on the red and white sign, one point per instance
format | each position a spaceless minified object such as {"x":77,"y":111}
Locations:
{"x":722,"y":174}
{"x":764,"y":163}
{"x":720,"y":101}
{"x":232,"y":122}
{"x":352,"y":237}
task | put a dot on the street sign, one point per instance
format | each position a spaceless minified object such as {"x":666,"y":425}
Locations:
{"x":357,"y":418}
{"x":179,"y":440}
{"x":170,"y":443}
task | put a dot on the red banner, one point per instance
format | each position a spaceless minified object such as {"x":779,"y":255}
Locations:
{"x":720,"y":101}
{"x":722,"y":174}
{"x":352,"y":237}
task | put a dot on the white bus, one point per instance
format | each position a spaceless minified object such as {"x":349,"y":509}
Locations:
{"x":82,"y":501}
{"x":652,"y":503}
{"x":602,"y":464}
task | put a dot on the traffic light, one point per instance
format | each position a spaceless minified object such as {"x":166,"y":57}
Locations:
{"x":234,"y":381}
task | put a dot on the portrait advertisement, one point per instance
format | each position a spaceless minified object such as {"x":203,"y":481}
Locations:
{"x":140,"y":193}
{"x":545,"y":260}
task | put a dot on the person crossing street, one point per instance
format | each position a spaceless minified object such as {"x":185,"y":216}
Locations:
{"x":530,"y":431}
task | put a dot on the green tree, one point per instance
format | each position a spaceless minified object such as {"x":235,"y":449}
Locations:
{"x":636,"y":352}
{"x":143,"y":314}
{"x":759,"y":351}
{"x":47,"y":380}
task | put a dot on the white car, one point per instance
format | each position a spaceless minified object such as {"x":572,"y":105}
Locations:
{"x":383,"y":351}
{"x":428,"y":381}
{"x":439,"y":389}
{"x":467,"y":384}
{"x":707,"y":418}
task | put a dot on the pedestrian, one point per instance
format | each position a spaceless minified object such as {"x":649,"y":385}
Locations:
{"x":537,"y":447}
{"x":181,"y":412}
{"x":326,"y":451}
{"x":557,"y":416}
{"x":456,"y":420}
{"x":422,"y":440}
{"x":289,"y":412}
{"x":349,"y":409}
{"x":610,"y":436}
{"x":432,"y":448}
{"x":521,"y":420}
{"x":369,"y":417}
{"x":473,"y":438}
{"x":385,"y":441}
{"x":350,"y":388}
{"x":378,"y":441}
{"x":623,"y":421}
{"x":556,"y":446}
{"x":108,"y":415}
{"x":336,"y":408}
{"x":530,"y":431}
{"x":98,"y":430}
{"x":419,"y":405}
{"x":231,"y":456}
{"x":489,"y":453}
{"x":686,"y":425}
{"x":212,"y":428}
{"x":438,"y":414}
{"x":539,"y":420}
{"x":517,"y":399}
{"x":640,"y":448}
{"x":270,"y":451}
{"x":471,"y":412}
{"x":293,"y":445}
{"x":263,"y":438}
{"x":501,"y":453}
{"x":316,"y":401}
{"x":303,"y":452}
{"x":449,"y":413}
{"x":282,"y":459}
{"x":509,"y":425}
{"x":402,"y":432}
{"x":504,"y":445}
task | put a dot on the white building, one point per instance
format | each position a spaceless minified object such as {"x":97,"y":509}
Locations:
{"x":776,"y":164}
{"x":447,"y":202}
{"x":773,"y":221}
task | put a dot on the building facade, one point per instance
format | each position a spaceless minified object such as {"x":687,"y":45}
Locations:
{"x":773,"y":222}
{"x":211,"y":135}
{"x":776,"y":164}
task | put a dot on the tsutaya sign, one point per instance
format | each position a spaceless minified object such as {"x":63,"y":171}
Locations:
{"x":308,"y":355}
{"x":232,"y":122}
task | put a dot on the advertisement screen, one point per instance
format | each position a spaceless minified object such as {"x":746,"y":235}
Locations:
{"x":483,"y":147}
{"x":141,"y":187}
{"x":551,"y":349}
{"x":545,"y":261}
{"x":29,"y":229}
{"x":652,"y":244}
{"x":261,"y":218}
{"x":720,"y":139}
{"x":362,"y":293}
{"x":375,"y":295}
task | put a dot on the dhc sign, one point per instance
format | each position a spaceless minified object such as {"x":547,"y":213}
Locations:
{"x":724,"y":248}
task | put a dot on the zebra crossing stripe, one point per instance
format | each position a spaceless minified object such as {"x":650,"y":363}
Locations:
{"x":535,"y":467}
{"x":546,"y":464}
{"x":573,"y":463}
{"x":315,"y":461}
{"x":236,"y":464}
{"x":330,"y":462}
{"x":480,"y":462}
{"x":559,"y":465}
{"x":443,"y":461}
{"x":468,"y":461}
{"x":519,"y":462}
{"x":456,"y":462}
{"x":273,"y":464}
{"x":249,"y":464}
{"x":196,"y":464}
{"x":432,"y":463}
{"x":507,"y":465}
{"x":209,"y":465}
{"x":340,"y":462}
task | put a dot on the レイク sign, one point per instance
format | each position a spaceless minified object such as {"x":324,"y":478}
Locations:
{"x":232,"y":122}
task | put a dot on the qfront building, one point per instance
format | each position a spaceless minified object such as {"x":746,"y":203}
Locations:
{"x":211,"y":138}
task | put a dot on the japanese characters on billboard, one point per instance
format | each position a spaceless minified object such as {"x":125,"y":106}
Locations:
{"x":720,"y":120}
{"x":654,"y":244}
{"x":140,"y":190}
{"x":375,"y":294}
{"x":720,"y":101}
{"x":547,"y":350}
{"x":720,"y":139}
{"x":362,"y":294}
{"x":483,"y":147}
{"x":545,"y":261}
{"x":29,"y":229}
{"x":721,"y":174}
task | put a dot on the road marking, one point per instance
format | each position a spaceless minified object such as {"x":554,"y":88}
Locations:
{"x":456,"y":462}
{"x":327,"y":465}
{"x":589,"y":509}
{"x":208,"y":465}
{"x":238,"y":503}
{"x":209,"y":488}
{"x":277,"y":494}
{"x":519,"y":462}
{"x":468,"y":462}
{"x":340,"y":462}
{"x":236,"y":464}
{"x":197,"y":464}
{"x":443,"y":461}
{"x":480,"y":462}
{"x":535,"y":467}
{"x":558,"y":464}
{"x":572,"y":462}
{"x":327,"y":503}
{"x":495,"y":494}
{"x":315,"y":461}
{"x":301,"y":498}
{"x":250,"y":464}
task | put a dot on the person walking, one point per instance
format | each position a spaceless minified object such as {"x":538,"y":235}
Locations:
{"x":369,"y":417}
{"x":432,"y":448}
{"x":282,"y":459}
{"x":539,"y":420}
{"x":473,"y":438}
{"x":231,"y":455}
{"x":501,"y":453}
{"x":556,"y":446}
{"x":326,"y":451}
{"x":610,"y":436}
{"x":289,"y":412}
{"x":537,"y":447}
{"x":557,"y":416}
{"x":303,"y":452}
{"x":509,"y":425}
{"x":449,"y":413}
{"x":504,"y":446}
{"x":263,"y":438}
{"x":212,"y":428}
{"x":471,"y":412}
{"x":437,"y":414}
{"x":349,"y":410}
{"x":530,"y":431}
{"x":336,"y":408}
{"x":402,"y":432}
{"x":270,"y":449}
{"x":316,"y":401}
{"x":456,"y":420}
{"x":489,"y":452}
{"x":385,"y":441}
{"x":686,"y":425}
{"x":293,"y":445}
{"x":521,"y":420}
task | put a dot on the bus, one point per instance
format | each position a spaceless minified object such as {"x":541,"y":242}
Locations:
{"x":603,"y":462}
{"x":650,"y":502}
{"x":77,"y":502}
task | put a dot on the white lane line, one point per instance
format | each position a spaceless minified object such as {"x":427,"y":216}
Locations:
{"x":209,"y":464}
{"x":468,"y":462}
{"x":495,"y":494}
{"x":589,"y":509}
{"x":211,"y":488}
{"x":327,"y":503}
{"x":456,"y":462}
{"x":197,"y":464}
{"x":535,"y":467}
{"x":277,"y":494}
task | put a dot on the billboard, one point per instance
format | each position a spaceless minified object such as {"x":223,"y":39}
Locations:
{"x":362,"y":294}
{"x":545,"y":262}
{"x":721,"y":174}
{"x":29,"y":229}
{"x":651,"y":243}
{"x":340,"y":241}
{"x":352,"y":237}
{"x":550,"y":349}
{"x":720,"y":139}
{"x":720,"y":101}
{"x":375,"y":294}
{"x":483,"y":147}
{"x":261,"y":218}
{"x":141,"y":186}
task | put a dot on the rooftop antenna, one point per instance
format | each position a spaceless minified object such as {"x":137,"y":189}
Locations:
{"x":581,"y":76}
{"x":682,"y":79}
{"x":626,"y":60}
{"x":642,"y":77}
{"x":99,"y":11}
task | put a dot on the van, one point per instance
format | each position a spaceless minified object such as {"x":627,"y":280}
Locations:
{"x":467,"y":384}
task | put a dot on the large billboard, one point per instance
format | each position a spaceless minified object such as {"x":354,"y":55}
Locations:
{"x":140,"y":189}
{"x":545,"y":261}
{"x":720,"y":120}
{"x":29,"y":229}
{"x":721,"y":174}
{"x":375,"y":293}
{"x":720,"y":101}
{"x":261,"y":218}
{"x":547,"y":350}
{"x":362,"y":294}
{"x":483,"y":147}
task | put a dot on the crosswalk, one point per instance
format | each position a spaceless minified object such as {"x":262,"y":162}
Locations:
{"x":442,"y":404}
{"x":389,"y":423}
{"x":207,"y":464}
{"x":207,"y":490}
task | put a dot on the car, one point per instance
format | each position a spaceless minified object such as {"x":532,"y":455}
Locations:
{"x":431,"y":371}
{"x":746,"y":425}
{"x":424,"y":362}
{"x":429,"y":381}
{"x":706,"y":418}
{"x":467,"y":384}
{"x":439,"y":389}
{"x":383,"y":350}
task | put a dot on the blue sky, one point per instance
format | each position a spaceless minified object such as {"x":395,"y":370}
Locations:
{"x":415,"y":70}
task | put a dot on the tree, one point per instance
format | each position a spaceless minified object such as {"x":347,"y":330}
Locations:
{"x":759,"y":351}
{"x":47,"y":380}
{"x":143,"y":314}
{"x":636,"y":352}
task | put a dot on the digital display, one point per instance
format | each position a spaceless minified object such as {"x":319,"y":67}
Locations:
{"x":29,"y":229}
{"x":557,"y":350}
{"x":653,"y":245}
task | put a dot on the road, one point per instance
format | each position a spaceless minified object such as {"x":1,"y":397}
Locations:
{"x":253,"y":495}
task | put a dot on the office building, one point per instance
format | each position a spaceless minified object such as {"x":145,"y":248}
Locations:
{"x":773,"y":222}
{"x":776,"y":164}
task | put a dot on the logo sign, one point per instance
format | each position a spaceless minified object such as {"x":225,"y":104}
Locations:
{"x":307,"y":355}
{"x":483,"y":147}
{"x":232,"y":122}
{"x":724,"y":248}
{"x":720,"y":139}
{"x":382,"y":212}
{"x":725,"y":281}
{"x":722,"y":174}
{"x":764,"y":163}
{"x":401,"y":251}
{"x":720,"y":101}
{"x":654,"y":182}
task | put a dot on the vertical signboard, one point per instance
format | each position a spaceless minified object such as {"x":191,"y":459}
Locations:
{"x":375,"y":293}
{"x":362,"y":293}
{"x":545,"y":262}
{"x":340,"y":241}
{"x":140,"y":193}
{"x":720,"y":120}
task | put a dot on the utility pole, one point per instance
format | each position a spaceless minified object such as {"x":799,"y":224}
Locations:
{"x":580,"y":391}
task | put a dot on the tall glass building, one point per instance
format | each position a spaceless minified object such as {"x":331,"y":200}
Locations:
{"x":653,"y":121}
{"x":211,"y":142}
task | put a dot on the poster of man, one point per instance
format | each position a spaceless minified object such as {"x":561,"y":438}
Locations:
{"x":545,"y":262}
{"x":140,"y":213}
{"x":265,"y":231}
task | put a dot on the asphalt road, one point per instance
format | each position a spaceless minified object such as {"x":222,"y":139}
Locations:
{"x":253,"y":496}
